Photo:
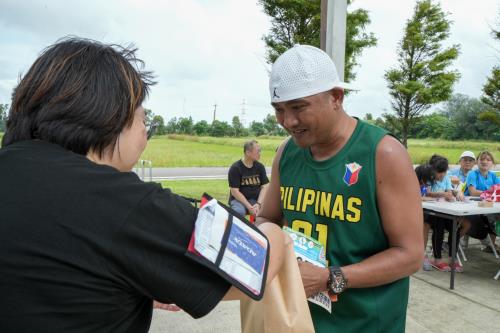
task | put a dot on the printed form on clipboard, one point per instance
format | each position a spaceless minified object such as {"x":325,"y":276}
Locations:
{"x":310,"y":250}
{"x":232,"y":247}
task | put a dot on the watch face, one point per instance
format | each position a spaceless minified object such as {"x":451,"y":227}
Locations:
{"x":338,"y":283}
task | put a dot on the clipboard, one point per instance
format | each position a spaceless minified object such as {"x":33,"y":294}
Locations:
{"x":228,"y":244}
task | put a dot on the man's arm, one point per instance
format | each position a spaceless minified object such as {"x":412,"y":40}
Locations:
{"x":400,"y":210}
{"x":261,"y":198}
{"x":271,"y":206}
{"x":235,"y":192}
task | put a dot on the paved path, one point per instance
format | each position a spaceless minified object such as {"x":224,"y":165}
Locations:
{"x":158,"y":174}
{"x":474,"y":306}
{"x":186,"y":173}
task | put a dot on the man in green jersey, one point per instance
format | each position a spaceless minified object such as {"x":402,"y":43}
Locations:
{"x":352,"y":187}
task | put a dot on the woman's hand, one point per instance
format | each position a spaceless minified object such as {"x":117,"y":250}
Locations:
{"x":168,"y":307}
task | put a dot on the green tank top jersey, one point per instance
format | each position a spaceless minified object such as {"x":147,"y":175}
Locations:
{"x":335,"y":202}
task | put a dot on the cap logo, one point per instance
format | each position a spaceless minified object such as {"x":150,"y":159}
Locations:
{"x":275,"y":94}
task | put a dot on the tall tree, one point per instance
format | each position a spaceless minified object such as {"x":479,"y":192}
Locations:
{"x":159,"y":125}
{"x":237,"y":126}
{"x":491,"y":90}
{"x":421,"y":78}
{"x":299,"y":21}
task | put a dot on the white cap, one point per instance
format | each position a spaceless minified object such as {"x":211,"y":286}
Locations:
{"x":467,"y":153}
{"x":303,"y":71}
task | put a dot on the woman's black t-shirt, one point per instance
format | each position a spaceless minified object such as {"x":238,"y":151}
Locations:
{"x":86,"y":248}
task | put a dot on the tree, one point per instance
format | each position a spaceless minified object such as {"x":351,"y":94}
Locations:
{"x":491,"y":92}
{"x":462,"y":113}
{"x":257,"y":128}
{"x":421,"y":78}
{"x":201,"y":128}
{"x":148,"y":117}
{"x":368,"y":117}
{"x":172,"y":126}
{"x":271,"y":125}
{"x":185,"y":125}
{"x":4,"y":111}
{"x":434,"y":125}
{"x":220,"y":128}
{"x":299,"y":21}
{"x":237,"y":126}
{"x":159,"y":124}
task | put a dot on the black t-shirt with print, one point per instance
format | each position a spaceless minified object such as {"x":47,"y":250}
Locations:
{"x":248,"y":180}
{"x":86,"y":248}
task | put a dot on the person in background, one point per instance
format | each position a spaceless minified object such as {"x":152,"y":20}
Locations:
{"x":248,"y":181}
{"x":87,"y":246}
{"x":480,"y":180}
{"x":426,"y":177}
{"x":458,"y":176}
{"x":442,"y":189}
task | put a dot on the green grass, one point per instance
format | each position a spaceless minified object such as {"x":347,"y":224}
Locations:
{"x":421,"y":149}
{"x":217,"y":188}
{"x":192,"y":151}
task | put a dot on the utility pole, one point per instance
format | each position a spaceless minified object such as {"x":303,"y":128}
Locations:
{"x":215,"y":110}
{"x":333,"y":31}
{"x":243,"y":113}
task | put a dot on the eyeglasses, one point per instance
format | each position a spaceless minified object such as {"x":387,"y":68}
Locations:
{"x":151,"y":128}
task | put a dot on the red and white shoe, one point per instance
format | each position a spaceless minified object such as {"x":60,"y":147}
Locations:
{"x":441,"y":266}
{"x":458,"y":268}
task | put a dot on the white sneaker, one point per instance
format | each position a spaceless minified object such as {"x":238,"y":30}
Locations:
{"x":427,"y":264}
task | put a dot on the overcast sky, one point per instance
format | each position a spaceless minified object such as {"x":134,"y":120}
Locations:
{"x":207,"y":52}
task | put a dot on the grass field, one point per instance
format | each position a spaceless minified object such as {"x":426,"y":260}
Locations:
{"x":181,"y":151}
{"x":193,"y":151}
{"x":219,"y":188}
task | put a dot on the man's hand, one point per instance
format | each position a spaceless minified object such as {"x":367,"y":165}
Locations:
{"x":254,"y":210}
{"x":314,"y":278}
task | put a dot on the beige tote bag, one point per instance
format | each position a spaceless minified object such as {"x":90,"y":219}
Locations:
{"x":283,"y":309}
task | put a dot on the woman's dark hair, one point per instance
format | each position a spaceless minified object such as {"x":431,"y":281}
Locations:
{"x":79,"y":94}
{"x":425,"y":174}
{"x":439,"y":163}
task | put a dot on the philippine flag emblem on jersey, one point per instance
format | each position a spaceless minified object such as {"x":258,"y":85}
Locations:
{"x":351,"y":173}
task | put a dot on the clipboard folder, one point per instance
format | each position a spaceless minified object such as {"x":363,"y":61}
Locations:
{"x":228,"y":244}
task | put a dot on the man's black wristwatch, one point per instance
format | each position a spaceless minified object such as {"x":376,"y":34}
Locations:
{"x":337,"y":282}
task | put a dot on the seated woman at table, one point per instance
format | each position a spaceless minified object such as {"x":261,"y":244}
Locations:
{"x":478,"y":181}
{"x":425,"y":176}
{"x":441,"y":188}
{"x":458,"y":175}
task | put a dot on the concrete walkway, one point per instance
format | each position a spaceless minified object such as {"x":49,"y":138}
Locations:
{"x":474,"y":305}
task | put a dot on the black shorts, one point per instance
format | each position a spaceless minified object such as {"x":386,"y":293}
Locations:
{"x":480,"y":227}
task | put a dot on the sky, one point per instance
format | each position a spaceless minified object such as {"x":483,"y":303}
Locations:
{"x":210,"y":52}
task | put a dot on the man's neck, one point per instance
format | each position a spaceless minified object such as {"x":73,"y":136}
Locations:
{"x":336,"y":140}
{"x":248,"y":162}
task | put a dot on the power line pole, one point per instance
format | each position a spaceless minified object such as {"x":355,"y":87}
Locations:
{"x":215,"y":110}
{"x":243,"y":113}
